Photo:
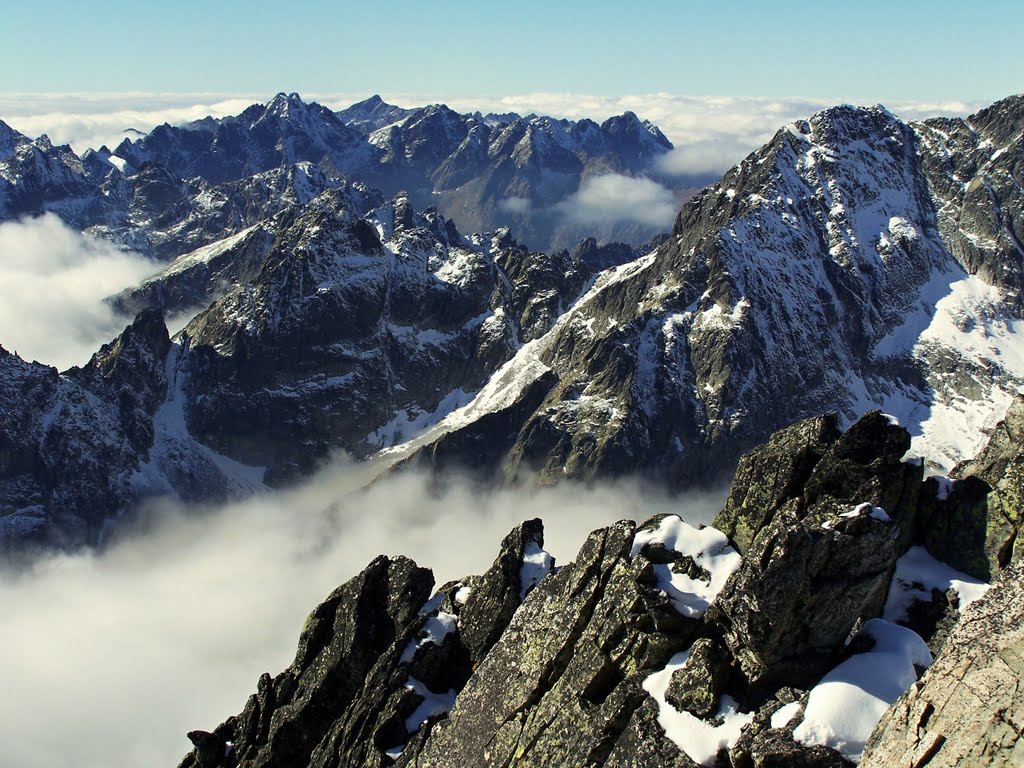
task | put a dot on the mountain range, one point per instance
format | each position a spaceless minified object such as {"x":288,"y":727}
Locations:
{"x":855,"y":261}
{"x":856,"y":265}
{"x":181,"y":187}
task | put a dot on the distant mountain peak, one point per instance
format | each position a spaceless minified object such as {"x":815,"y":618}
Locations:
{"x":372,"y":114}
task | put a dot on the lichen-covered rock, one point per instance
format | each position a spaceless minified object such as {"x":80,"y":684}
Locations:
{"x":494,"y":597}
{"x":772,"y":474}
{"x":697,"y":686}
{"x":643,"y":743}
{"x":968,"y":708}
{"x":775,"y":748}
{"x":563,"y":681}
{"x":341,"y":643}
{"x":865,"y":466}
{"x":823,"y":518}
{"x":800,"y":591}
{"x":613,"y":659}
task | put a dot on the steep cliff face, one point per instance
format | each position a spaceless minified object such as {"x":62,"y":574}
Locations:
{"x":326,"y":331}
{"x":71,"y":442}
{"x":357,"y":333}
{"x":661,"y":644}
{"x":821,"y":273}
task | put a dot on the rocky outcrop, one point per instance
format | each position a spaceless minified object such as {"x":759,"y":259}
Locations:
{"x":771,"y":475}
{"x":70,"y":443}
{"x":658,"y":646}
{"x":968,"y":707}
{"x":835,"y":529}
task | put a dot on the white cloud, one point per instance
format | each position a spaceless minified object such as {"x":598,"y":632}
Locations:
{"x":109,"y":660}
{"x":52,"y":284}
{"x":612,"y":198}
{"x":90,"y":120}
{"x":517,"y":205}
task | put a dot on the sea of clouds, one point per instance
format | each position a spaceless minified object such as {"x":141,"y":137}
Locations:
{"x":109,"y":659}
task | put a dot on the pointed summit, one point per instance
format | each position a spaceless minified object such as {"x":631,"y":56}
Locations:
{"x":9,"y":139}
{"x":371,"y":114}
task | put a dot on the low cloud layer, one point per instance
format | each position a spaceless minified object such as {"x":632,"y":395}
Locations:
{"x":87,"y":121}
{"x":516,"y":205}
{"x":109,"y":660}
{"x":52,"y":284}
{"x":612,"y":199}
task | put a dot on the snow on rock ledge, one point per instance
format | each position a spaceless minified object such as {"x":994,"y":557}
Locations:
{"x":700,"y":740}
{"x":844,"y":707}
{"x":707,"y":547}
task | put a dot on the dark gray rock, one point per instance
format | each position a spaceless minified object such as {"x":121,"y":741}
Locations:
{"x":815,"y":567}
{"x":771,"y":475}
{"x":1001,"y":465}
{"x":697,"y":687}
{"x":562,"y":683}
{"x":775,"y":748}
{"x":952,"y":524}
{"x":340,"y":646}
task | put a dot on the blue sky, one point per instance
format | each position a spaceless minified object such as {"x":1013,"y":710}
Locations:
{"x":866,"y":52}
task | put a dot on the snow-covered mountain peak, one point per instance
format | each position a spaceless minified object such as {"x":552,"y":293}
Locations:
{"x":372,"y":114}
{"x":9,"y":140}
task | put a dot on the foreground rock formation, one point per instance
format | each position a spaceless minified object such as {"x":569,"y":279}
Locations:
{"x":663,"y":644}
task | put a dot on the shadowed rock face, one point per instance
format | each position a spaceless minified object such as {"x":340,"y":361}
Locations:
{"x":1001,"y":466}
{"x":805,"y":281}
{"x":503,"y":670}
{"x":326,"y":332}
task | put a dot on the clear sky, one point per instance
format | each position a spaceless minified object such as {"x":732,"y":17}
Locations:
{"x":863,"y":51}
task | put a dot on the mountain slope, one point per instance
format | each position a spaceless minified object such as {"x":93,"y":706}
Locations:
{"x":815,"y":275}
{"x":327,"y":332}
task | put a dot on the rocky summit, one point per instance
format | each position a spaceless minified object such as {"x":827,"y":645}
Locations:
{"x":781,"y":643}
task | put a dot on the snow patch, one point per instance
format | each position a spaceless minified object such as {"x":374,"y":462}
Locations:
{"x":844,"y":707}
{"x":945,"y":487}
{"x":707,"y":547}
{"x":433,"y":632}
{"x":434,"y":704}
{"x":876,"y":513}
{"x":700,"y":740}
{"x":784,"y":715}
{"x":917,"y":574}
{"x":176,"y":454}
{"x":537,"y":563}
